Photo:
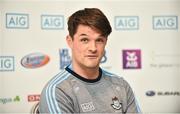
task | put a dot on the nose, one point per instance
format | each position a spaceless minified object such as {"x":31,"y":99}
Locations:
{"x":92,"y":47}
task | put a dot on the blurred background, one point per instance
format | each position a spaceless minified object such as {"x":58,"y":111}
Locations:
{"x":144,"y":48}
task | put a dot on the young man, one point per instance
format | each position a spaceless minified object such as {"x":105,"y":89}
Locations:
{"x":83,"y":87}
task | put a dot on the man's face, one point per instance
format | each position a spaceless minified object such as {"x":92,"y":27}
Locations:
{"x":87,"y":47}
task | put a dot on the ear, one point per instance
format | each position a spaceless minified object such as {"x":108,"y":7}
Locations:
{"x":69,"y":41}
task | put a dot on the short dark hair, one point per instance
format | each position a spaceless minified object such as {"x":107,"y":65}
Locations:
{"x":92,"y":17}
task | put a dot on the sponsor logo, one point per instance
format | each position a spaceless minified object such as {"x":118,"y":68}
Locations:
{"x":162,"y":93}
{"x":150,"y":93}
{"x":104,"y":63}
{"x":17,"y":20}
{"x":33,"y":98}
{"x":52,"y":22}
{"x":9,"y":100}
{"x":126,"y":22}
{"x":6,"y":63}
{"x":168,"y":93}
{"x":65,"y":58}
{"x":131,"y":59}
{"x":165,"y":22}
{"x":86,"y":107}
{"x":104,"y":58}
{"x":34,"y":60}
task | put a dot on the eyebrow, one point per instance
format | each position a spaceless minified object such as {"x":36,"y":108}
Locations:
{"x":87,"y":35}
{"x":83,"y":35}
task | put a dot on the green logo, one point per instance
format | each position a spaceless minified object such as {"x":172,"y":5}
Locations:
{"x":17,"y":99}
{"x":9,"y":100}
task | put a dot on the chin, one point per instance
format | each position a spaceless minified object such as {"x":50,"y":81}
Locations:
{"x":92,"y":66}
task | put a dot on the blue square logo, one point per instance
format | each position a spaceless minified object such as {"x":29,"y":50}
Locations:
{"x":126,"y":22}
{"x":6,"y":63}
{"x":65,"y":58}
{"x":165,"y":22}
{"x":52,"y":22}
{"x":17,"y":20}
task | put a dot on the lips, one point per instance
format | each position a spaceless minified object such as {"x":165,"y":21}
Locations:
{"x":92,"y":56}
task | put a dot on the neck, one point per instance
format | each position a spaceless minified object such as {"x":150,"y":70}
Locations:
{"x":85,"y":72}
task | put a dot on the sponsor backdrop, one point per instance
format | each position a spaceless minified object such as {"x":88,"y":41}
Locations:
{"x":143,"y":48}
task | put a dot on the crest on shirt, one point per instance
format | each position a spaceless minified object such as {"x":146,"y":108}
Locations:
{"x":116,"y":104}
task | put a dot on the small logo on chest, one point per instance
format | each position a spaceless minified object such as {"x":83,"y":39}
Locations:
{"x":116,"y":104}
{"x":86,"y":107}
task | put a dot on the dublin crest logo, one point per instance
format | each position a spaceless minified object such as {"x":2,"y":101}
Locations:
{"x":116,"y":104}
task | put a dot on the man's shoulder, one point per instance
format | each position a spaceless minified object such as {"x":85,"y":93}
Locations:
{"x":110,"y":74}
{"x":114,"y":78}
{"x":60,"y":78}
{"x":62,"y":75}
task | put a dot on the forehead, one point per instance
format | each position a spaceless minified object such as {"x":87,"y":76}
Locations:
{"x":86,"y":30}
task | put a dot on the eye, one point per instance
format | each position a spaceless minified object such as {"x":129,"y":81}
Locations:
{"x":84,"y":40}
{"x":100,"y":40}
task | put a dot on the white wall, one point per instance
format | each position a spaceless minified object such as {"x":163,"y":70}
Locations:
{"x":159,"y":47}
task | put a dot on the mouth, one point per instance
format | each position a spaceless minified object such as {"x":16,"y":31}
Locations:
{"x":92,"y":56}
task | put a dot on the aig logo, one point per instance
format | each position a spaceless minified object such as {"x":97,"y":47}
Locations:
{"x":6,"y":63}
{"x":165,"y":22}
{"x":126,"y":22}
{"x":52,"y":22}
{"x":17,"y":20}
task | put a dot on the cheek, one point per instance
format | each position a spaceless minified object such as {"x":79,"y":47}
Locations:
{"x":102,"y":52}
{"x":102,"y":49}
{"x":78,"y":49}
